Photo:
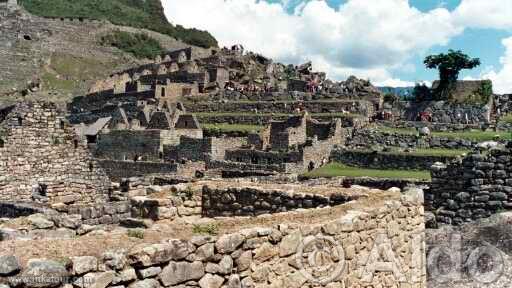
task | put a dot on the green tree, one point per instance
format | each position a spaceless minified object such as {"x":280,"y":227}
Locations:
{"x":449,"y":66}
{"x":421,"y":92}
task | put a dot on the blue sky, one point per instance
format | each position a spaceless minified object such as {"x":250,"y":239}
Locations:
{"x":381,"y":40}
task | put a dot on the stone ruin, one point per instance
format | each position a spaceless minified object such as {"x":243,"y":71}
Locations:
{"x":42,"y":160}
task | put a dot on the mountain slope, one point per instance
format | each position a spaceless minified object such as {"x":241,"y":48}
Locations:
{"x":147,"y":14}
{"x":63,"y":58}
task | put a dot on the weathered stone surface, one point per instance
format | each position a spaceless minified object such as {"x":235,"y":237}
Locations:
{"x":95,"y":280}
{"x":234,"y":281}
{"x":179,"y":272}
{"x":42,"y":269}
{"x":211,"y":281}
{"x":226,"y":265}
{"x":124,"y":276}
{"x":289,"y":244}
{"x":149,"y":272}
{"x":265,"y":252}
{"x":40,"y":221}
{"x":115,"y":259}
{"x":146,"y":256}
{"x":147,"y":283}
{"x":229,"y":243}
{"x":84,"y":264}
{"x":70,"y":221}
{"x":204,"y":252}
{"x":244,"y":261}
{"x":8,"y":265}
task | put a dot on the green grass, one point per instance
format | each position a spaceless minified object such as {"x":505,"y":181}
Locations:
{"x":147,"y":14}
{"x":135,"y":233}
{"x":476,"y":135}
{"x":233,"y":127}
{"x":208,"y":229}
{"x":506,"y":119}
{"x":138,"y":44}
{"x":337,"y":169}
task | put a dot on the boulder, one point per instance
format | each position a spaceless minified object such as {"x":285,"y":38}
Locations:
{"x":229,"y":243}
{"x":149,"y":272}
{"x":9,"y":265}
{"x":234,"y":281}
{"x":95,"y":280}
{"x":147,"y":283}
{"x":84,"y":264}
{"x":38,"y":269}
{"x":211,"y":281}
{"x":179,"y":272}
{"x":40,"y":221}
{"x":424,"y":131}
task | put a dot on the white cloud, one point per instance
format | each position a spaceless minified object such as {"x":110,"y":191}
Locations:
{"x":502,"y":80}
{"x":495,"y":14}
{"x":367,"y":38}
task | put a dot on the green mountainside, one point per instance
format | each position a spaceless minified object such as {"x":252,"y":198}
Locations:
{"x":147,"y":14}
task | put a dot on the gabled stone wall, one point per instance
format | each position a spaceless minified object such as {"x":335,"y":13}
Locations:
{"x":41,"y":149}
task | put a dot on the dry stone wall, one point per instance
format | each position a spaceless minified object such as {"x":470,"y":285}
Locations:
{"x":370,"y":137}
{"x":387,"y":160}
{"x":476,"y":187}
{"x":378,"y":246}
{"x":40,"y":155}
{"x":254,"y":202}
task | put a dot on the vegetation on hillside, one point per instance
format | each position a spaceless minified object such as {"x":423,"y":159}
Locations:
{"x":139,"y":45}
{"x":147,"y":14}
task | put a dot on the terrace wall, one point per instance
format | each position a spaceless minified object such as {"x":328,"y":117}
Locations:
{"x":370,"y":137}
{"x":368,"y":247}
{"x":254,"y":202}
{"x":383,"y":160}
{"x":476,"y":187}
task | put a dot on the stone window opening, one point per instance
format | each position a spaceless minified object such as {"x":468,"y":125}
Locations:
{"x":160,"y":155}
{"x":61,"y":124}
{"x":2,"y":143}
{"x":91,"y":166}
{"x":20,"y":121}
{"x":75,"y":143}
{"x":27,"y":37}
{"x":162,"y":93}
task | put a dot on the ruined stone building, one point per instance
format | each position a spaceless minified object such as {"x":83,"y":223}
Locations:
{"x":41,"y":159}
{"x":295,"y":145}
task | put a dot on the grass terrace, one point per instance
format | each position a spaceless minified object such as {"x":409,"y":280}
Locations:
{"x":338,"y":169}
{"x":476,"y":135}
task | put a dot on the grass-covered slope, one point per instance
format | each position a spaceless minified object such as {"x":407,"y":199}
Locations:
{"x":146,"y":14}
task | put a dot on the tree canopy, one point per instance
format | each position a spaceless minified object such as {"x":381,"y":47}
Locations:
{"x":449,"y":66}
